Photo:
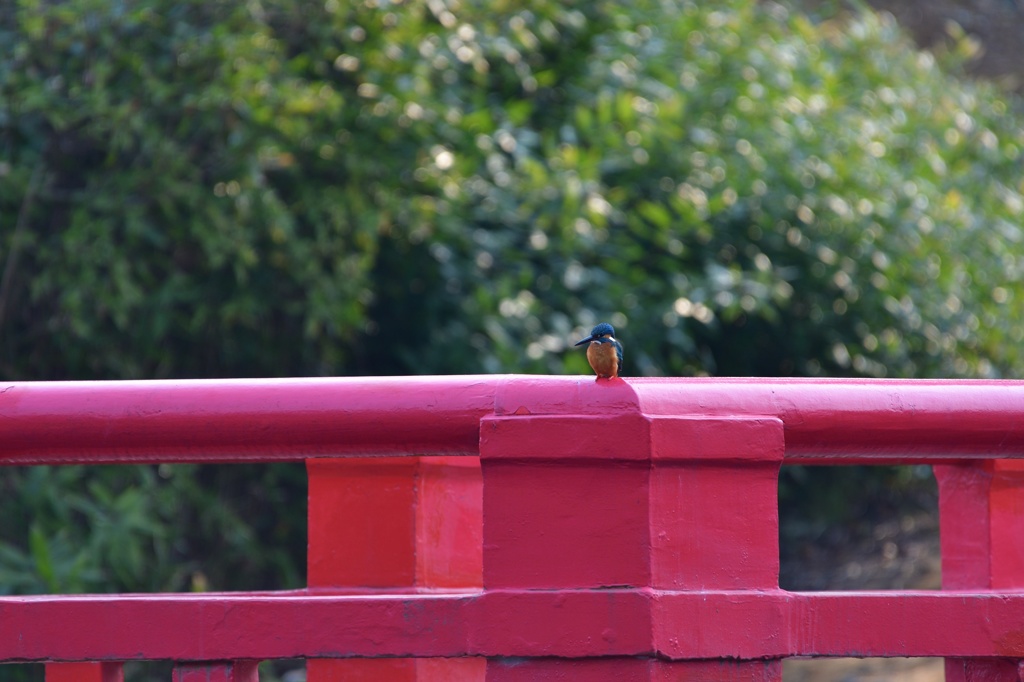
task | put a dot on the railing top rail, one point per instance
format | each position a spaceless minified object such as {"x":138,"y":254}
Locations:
{"x":294,"y":419}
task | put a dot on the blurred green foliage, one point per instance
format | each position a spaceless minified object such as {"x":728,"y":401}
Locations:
{"x":148,"y":529}
{"x":208,"y":189}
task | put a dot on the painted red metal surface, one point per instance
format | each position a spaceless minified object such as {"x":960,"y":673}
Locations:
{"x":521,"y":624}
{"x":404,"y":523}
{"x":521,"y":528}
{"x":981,"y":507}
{"x":295,"y":419}
{"x":85,"y":672}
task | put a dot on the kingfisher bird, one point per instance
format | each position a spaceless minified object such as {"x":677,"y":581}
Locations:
{"x":604,"y":353}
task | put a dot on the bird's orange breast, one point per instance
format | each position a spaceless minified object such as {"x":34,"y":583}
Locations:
{"x":603,"y":359}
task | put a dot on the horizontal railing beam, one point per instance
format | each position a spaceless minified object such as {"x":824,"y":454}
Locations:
{"x":262,"y":420}
{"x":825,"y":421}
{"x":563,"y":623}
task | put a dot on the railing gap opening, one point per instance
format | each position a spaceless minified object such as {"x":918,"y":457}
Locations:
{"x":22,"y":672}
{"x":832,"y":669}
{"x":193,"y":531}
{"x":147,"y":671}
{"x":879,"y":533}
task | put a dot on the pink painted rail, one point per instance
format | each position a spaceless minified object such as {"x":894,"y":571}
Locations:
{"x":533,"y":528}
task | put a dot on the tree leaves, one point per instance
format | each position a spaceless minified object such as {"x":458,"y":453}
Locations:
{"x":289,"y":188}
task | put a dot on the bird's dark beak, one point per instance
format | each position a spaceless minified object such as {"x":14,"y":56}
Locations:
{"x":586,"y":340}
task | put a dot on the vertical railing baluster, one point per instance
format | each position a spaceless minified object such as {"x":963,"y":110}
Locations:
{"x":85,"y":672}
{"x":981,"y":518}
{"x":381,"y":523}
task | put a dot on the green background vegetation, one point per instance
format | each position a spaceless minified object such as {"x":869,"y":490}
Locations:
{"x":214,"y":189}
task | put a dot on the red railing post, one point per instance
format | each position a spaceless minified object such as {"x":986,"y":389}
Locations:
{"x":981,"y":517}
{"x":714,"y":503}
{"x":672,"y":505}
{"x":84,"y":672}
{"x":387,"y":523}
{"x":714,"y":526}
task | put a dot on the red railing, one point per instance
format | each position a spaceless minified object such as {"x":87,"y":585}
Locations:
{"x":532,"y":528}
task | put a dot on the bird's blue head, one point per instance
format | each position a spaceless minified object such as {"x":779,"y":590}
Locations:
{"x":603,"y":329}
